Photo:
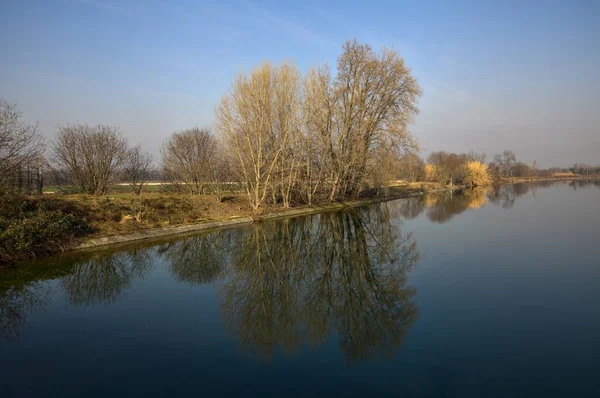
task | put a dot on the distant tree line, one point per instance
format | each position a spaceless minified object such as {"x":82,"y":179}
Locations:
{"x":470,"y":168}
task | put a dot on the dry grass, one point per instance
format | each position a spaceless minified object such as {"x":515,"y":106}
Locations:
{"x":560,"y":175}
{"x":123,"y":212}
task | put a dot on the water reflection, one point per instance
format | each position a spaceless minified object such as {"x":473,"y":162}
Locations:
{"x":199,"y":259}
{"x":577,"y":184}
{"x":506,"y":195}
{"x":441,"y":208}
{"x":283,"y":284}
{"x":301,"y":280}
{"x":103,"y":279}
{"x":16,"y":303}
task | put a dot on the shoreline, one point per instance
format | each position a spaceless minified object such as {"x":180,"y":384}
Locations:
{"x":400,"y":191}
{"x":187,"y":229}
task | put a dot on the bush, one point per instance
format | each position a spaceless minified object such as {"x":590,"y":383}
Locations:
{"x":477,"y":174}
{"x":26,"y":231}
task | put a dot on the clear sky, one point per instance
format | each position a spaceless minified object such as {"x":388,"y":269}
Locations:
{"x":499,"y":74}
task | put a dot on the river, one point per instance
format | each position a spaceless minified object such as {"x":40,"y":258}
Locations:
{"x":486,"y":293}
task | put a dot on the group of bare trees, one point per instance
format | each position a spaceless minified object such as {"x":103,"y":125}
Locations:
{"x":90,"y":157}
{"x":95,"y":157}
{"x":293,"y":137}
{"x":452,"y":168}
{"x":91,"y":154}
{"x":195,"y":162}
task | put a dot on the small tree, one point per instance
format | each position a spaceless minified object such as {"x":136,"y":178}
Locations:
{"x":219,"y":173}
{"x":92,"y":155}
{"x":137,"y":167}
{"x":477,"y":174}
{"x":505,"y":161}
{"x":449,"y":167}
{"x":188,"y":157}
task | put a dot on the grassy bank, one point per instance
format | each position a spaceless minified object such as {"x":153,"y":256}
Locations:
{"x":32,"y":226}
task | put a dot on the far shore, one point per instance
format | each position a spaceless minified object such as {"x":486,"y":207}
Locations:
{"x":567,"y":177}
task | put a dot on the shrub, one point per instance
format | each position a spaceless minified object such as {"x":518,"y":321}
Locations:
{"x":477,"y":174}
{"x":26,"y":231}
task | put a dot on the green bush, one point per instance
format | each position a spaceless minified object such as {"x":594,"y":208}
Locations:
{"x":28,"y":228}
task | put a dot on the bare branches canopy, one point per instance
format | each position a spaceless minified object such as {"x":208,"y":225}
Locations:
{"x":137,"y":168}
{"x":318,"y":135}
{"x":190,"y":159}
{"x":91,"y":154}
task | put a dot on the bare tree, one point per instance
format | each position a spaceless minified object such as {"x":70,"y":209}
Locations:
{"x":316,"y":146}
{"x":369,"y":104}
{"x":219,"y":173}
{"x":505,"y":161}
{"x":137,"y":168}
{"x":21,"y":150}
{"x":91,"y":154}
{"x":257,"y":121}
{"x":189,"y":159}
{"x":477,"y":157}
{"x":449,"y":168}
{"x":411,"y":167}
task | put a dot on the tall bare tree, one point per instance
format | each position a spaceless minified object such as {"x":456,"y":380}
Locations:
{"x":369,"y":104}
{"x":137,"y":168}
{"x":91,"y":154}
{"x":257,"y":120}
{"x":316,"y":145}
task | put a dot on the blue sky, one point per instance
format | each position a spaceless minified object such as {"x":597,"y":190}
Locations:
{"x":495,"y":75}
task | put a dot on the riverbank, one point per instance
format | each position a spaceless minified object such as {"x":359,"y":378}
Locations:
{"x":241,"y":220}
{"x":85,"y":222}
{"x":567,"y":177}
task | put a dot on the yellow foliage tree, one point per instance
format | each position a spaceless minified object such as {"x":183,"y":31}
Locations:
{"x":478,"y":174}
{"x":430,"y":172}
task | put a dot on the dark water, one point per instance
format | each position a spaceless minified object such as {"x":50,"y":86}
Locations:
{"x":483,"y":294}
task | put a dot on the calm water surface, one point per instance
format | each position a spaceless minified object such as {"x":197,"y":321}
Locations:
{"x":482,"y":294}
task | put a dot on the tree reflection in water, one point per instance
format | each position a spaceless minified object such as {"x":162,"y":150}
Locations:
{"x":286,"y":283}
{"x":198,"y":259}
{"x":16,"y":303}
{"x":441,"y":208}
{"x":103,"y":279}
{"x":99,"y":279}
{"x":577,"y":184}
{"x":506,"y":195}
{"x":299,"y":280}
